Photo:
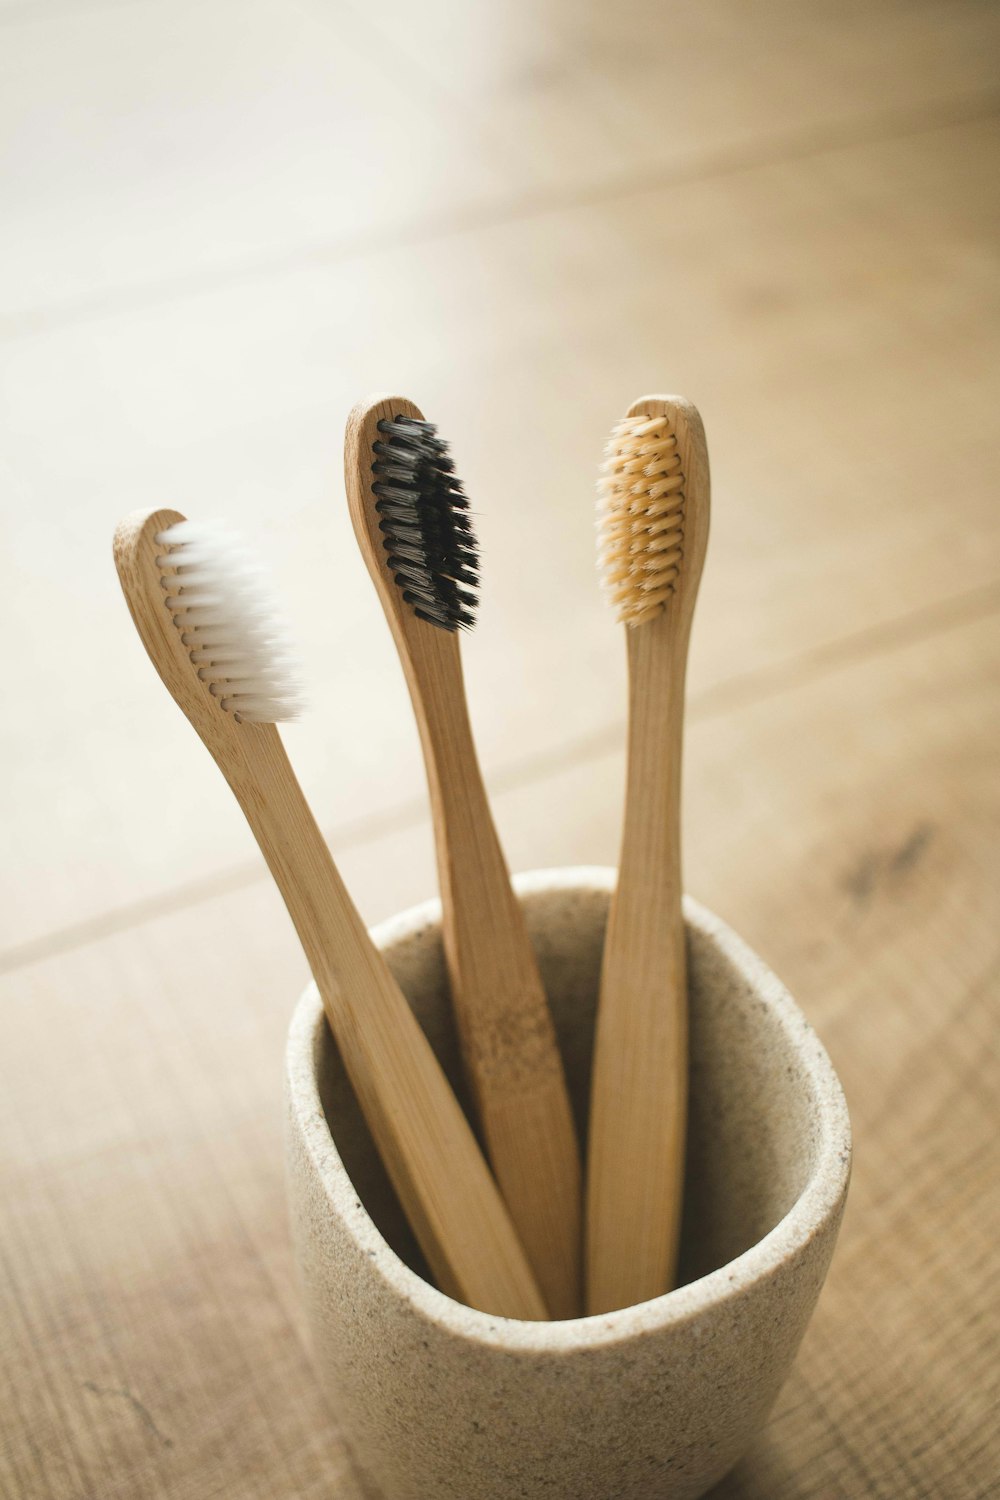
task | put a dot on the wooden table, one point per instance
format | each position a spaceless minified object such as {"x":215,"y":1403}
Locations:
{"x":224,"y":223}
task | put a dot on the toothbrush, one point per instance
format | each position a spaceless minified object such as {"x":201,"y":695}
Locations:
{"x":202,"y":613}
{"x":653,"y":530}
{"x":412,"y":523}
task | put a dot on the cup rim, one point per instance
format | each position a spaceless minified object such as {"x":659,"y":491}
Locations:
{"x":820,"y":1199}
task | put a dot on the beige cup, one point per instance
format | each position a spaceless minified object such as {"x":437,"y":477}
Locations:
{"x":655,"y":1402}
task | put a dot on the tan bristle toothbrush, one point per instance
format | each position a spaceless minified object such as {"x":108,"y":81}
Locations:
{"x":412,"y":523}
{"x":201,"y":609}
{"x":653,"y":530}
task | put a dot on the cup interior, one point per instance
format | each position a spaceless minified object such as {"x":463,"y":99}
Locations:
{"x":753,"y":1128}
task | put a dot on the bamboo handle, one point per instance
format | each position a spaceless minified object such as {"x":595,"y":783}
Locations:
{"x":508,"y":1040}
{"x":639,"y":1086}
{"x":424,"y":1140}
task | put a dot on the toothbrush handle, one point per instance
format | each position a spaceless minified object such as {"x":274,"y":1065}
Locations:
{"x":639,"y":1082}
{"x":508,"y":1039}
{"x":424,"y":1139}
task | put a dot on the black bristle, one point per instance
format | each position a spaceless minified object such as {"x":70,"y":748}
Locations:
{"x":425,"y":523}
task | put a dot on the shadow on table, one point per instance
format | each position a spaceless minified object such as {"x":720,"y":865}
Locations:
{"x":761,"y":1475}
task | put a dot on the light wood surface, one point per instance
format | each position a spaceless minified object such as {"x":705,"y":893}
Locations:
{"x":508,"y":1040}
{"x":638,"y":1102}
{"x":424,"y":1139}
{"x":788,"y":211}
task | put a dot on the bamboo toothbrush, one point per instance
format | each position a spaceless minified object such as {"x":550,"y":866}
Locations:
{"x":412,"y":524}
{"x":653,"y":530}
{"x":203,"y":616}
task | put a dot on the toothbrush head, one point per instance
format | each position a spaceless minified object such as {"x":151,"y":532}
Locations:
{"x":204,"y":611}
{"x":423,"y":517}
{"x":220,"y":601}
{"x":652,"y":508}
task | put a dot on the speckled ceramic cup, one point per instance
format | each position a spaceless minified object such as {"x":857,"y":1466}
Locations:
{"x":655,"y":1402}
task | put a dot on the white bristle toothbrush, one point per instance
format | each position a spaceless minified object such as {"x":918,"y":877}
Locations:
{"x":412,"y":523}
{"x":653,"y":531}
{"x":202,"y":612}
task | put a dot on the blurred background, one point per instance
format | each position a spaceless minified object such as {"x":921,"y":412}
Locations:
{"x":224,"y":223}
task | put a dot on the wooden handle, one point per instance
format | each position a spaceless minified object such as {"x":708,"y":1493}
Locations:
{"x":425,"y":1141}
{"x":639,"y":1082}
{"x":508,"y":1041}
{"x":423,"y":1137}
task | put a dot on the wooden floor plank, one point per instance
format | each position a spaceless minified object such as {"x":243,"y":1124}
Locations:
{"x":816,"y":341}
{"x":152,"y":141}
{"x":586,"y":94}
{"x":847,"y":826}
{"x":149,"y":144}
{"x":153,"y":1347}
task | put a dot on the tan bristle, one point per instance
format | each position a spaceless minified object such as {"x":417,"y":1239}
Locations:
{"x":640,"y":529}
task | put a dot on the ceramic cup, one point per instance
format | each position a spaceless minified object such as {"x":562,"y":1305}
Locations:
{"x":654,"y":1402}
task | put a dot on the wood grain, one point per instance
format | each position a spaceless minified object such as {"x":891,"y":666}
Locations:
{"x":638,"y":1119}
{"x":145,"y":1240}
{"x":216,"y":242}
{"x":509,"y":1045}
{"x":856,"y":275}
{"x":423,"y":1137}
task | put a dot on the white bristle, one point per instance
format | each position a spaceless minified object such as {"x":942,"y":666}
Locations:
{"x":221,"y":602}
